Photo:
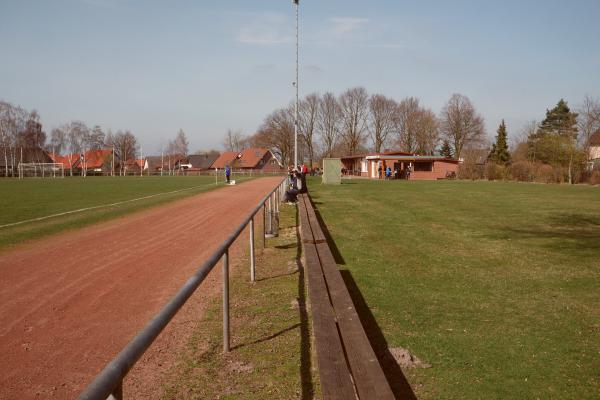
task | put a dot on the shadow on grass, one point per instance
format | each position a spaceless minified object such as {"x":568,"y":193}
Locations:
{"x":571,"y":231}
{"x":266,"y":278}
{"x":286,"y":246}
{"x":392,"y":370}
{"x":266,"y":338}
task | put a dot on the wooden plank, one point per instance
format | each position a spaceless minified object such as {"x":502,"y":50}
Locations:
{"x":306,"y":234}
{"x":314,"y":222}
{"x":368,"y":375}
{"x":336,"y":382}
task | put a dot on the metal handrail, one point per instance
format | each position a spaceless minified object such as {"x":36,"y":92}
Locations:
{"x":109,"y":382}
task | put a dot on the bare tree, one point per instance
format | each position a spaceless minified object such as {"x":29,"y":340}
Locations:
{"x":77,"y":132}
{"x":234,"y":141}
{"x":519,"y":148}
{"x":6,"y":136}
{"x":461,"y":124}
{"x":328,"y":122}
{"x":58,"y":139}
{"x":31,"y":135}
{"x":588,"y":120}
{"x":354,"y":104}
{"x":96,"y":138}
{"x":125,"y":145}
{"x":277,"y":134}
{"x":381,"y":119}
{"x":181,"y":144}
{"x":428,"y":135}
{"x":308,"y":110}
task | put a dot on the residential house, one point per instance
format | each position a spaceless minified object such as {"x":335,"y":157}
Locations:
{"x":96,"y":162}
{"x":135,"y":166}
{"x":226,"y":158}
{"x":11,"y":157}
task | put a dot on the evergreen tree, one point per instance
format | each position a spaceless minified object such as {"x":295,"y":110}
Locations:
{"x":555,"y":141}
{"x":446,"y":150}
{"x":499,"y":153}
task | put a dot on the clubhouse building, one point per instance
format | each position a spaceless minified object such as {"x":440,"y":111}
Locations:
{"x":421,"y":167}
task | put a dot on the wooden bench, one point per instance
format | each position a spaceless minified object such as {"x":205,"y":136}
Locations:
{"x":348,"y":367}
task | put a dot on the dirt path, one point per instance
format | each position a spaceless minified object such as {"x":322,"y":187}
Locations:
{"x":69,"y":303}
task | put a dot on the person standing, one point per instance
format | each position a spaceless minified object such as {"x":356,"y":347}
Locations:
{"x":227,"y":173}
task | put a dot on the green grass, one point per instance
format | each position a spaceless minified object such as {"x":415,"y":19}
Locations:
{"x":270,"y":339}
{"x":496,"y":285}
{"x":32,"y":198}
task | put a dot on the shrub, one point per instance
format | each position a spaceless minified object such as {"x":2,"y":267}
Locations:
{"x":470,"y":170}
{"x":495,"y":171}
{"x":523,"y":171}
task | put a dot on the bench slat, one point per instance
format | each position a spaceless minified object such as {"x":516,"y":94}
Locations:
{"x":369,"y":377}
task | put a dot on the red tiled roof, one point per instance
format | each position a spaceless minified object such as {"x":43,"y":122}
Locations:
{"x":96,"y":158}
{"x":74,"y":158}
{"x":251,"y":157}
{"x":138,"y":162}
{"x":224,"y":159}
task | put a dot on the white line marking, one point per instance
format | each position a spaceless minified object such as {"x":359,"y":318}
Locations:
{"x":100,"y":206}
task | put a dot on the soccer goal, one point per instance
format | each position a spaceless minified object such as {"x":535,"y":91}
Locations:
{"x":41,"y":170}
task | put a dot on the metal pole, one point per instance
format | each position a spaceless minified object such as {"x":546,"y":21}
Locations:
{"x":270,"y":213}
{"x":296,"y":85}
{"x":264,"y":224}
{"x":252,"y":260}
{"x":226,"y":301}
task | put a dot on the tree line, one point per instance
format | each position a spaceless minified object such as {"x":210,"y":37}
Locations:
{"x":357,"y":122}
{"x":21,"y":128}
{"x":553,"y":150}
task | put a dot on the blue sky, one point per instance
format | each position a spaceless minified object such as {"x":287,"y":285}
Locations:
{"x":156,"y":66}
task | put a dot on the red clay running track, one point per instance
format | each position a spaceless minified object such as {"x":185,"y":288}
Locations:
{"x":69,"y":303}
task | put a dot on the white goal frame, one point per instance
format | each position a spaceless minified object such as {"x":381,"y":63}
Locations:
{"x":41,"y":170}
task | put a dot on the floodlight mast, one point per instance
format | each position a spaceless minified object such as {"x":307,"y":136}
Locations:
{"x":296,"y":122}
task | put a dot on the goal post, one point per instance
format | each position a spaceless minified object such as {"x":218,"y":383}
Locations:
{"x":41,"y":170}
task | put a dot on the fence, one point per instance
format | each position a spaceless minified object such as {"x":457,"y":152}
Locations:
{"x":109,"y":383}
{"x":29,"y":170}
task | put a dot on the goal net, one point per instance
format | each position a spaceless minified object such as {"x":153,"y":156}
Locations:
{"x":41,"y":170}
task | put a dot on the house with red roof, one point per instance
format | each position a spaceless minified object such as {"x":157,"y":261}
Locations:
{"x":252,"y":159}
{"x":226,"y":158}
{"x":135,"y":166}
{"x":68,"y":161}
{"x":95,"y":162}
{"x":403,"y":165}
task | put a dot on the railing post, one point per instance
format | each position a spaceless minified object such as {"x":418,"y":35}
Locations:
{"x":226,"y":301}
{"x":117,"y":393}
{"x":252,"y":259}
{"x":264,"y":224}
{"x":270,"y":213}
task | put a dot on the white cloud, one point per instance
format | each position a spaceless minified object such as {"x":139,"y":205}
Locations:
{"x":342,"y":26}
{"x":265,"y":29}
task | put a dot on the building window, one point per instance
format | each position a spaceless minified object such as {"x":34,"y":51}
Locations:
{"x":424,"y":166}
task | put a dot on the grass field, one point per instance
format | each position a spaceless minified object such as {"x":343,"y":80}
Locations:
{"x":26,"y":199}
{"x":496,"y":285}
